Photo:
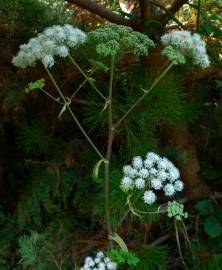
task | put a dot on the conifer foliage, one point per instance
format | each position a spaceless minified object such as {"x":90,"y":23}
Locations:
{"x":78,"y":105}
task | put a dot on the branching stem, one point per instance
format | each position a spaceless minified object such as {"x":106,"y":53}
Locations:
{"x":86,"y":77}
{"x":140,"y":99}
{"x":73,"y":115}
{"x":51,"y":96}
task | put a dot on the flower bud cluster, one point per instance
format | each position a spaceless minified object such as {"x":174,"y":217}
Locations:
{"x":100,"y":262}
{"x":54,"y":41}
{"x":176,"y":210}
{"x":113,"y":39}
{"x":190,"y":46}
{"x":151,"y":174}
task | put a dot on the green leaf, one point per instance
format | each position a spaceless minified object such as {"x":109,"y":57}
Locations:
{"x":132,"y":259}
{"x":68,"y":102}
{"x":117,"y":256}
{"x":123,"y":257}
{"x":204,"y":207}
{"x":39,"y":84}
{"x":95,"y":173}
{"x":212,"y":227}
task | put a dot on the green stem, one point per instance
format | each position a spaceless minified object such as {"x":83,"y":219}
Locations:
{"x":86,"y":77}
{"x":146,"y":92}
{"x":80,"y":86}
{"x":178,"y":244}
{"x":129,"y":210}
{"x":73,"y":115}
{"x":51,"y":96}
{"x":109,"y":147}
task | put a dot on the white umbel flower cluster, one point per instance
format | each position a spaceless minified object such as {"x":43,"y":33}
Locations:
{"x":152,"y":174}
{"x":191,"y":46}
{"x":54,"y":41}
{"x":100,"y":262}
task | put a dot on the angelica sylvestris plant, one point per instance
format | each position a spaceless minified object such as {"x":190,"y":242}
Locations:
{"x":182,"y":45}
{"x":154,"y":173}
{"x":100,"y":262}
{"x":151,"y":175}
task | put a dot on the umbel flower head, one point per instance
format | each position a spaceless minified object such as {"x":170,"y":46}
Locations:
{"x":54,"y":41}
{"x":100,"y":262}
{"x":114,"y":38}
{"x":182,"y":45}
{"x":152,"y":174}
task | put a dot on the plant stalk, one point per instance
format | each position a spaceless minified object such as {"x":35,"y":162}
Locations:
{"x":109,"y":147}
{"x":178,"y":244}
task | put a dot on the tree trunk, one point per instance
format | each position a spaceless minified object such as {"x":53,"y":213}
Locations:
{"x":181,"y":138}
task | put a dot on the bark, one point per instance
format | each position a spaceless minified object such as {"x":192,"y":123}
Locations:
{"x":102,"y":11}
{"x":145,"y":12}
{"x":190,"y":168}
{"x":176,"y":5}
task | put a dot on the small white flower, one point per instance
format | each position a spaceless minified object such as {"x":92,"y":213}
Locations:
{"x":152,"y":156}
{"x":126,"y":183}
{"x":140,"y":183}
{"x":134,"y":173}
{"x":148,"y":163}
{"x":49,"y":32}
{"x":153,"y":171}
{"x":174,"y":174}
{"x":63,"y":51}
{"x":48,"y":61}
{"x":127,"y":170}
{"x":137,"y":162}
{"x":97,"y":260}
{"x":107,"y":260}
{"x":162,"y":175}
{"x":178,"y":185}
{"x":169,"y":190}
{"x":143,"y":173}
{"x":89,"y":262}
{"x":101,"y":266}
{"x":156,"y":184}
{"x":162,"y":164}
{"x":149,"y":197}
{"x":100,"y":254}
{"x":49,"y":46}
{"x":111,"y":266}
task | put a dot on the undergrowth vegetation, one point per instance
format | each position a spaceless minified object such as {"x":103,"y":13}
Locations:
{"x":92,"y":160}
